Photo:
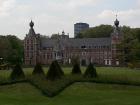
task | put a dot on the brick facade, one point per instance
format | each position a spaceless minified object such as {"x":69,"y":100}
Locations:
{"x":102,"y":51}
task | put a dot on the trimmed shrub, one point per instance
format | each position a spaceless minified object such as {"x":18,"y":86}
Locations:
{"x":59,"y":68}
{"x":90,"y":71}
{"x":76,"y":68}
{"x":17,"y":73}
{"x":55,"y":71}
{"x":38,"y":70}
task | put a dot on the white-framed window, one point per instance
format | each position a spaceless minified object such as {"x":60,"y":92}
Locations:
{"x":117,"y":63}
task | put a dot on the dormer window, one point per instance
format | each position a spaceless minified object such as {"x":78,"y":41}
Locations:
{"x":83,"y":46}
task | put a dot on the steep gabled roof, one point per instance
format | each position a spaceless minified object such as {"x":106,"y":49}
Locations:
{"x":72,"y":42}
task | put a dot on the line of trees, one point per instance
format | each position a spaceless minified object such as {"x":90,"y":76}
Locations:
{"x":96,"y":32}
{"x":131,"y":45}
{"x":11,"y":49}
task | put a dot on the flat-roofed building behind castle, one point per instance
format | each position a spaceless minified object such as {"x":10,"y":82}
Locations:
{"x":79,"y":27}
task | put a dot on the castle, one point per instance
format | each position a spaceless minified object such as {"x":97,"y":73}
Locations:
{"x":102,"y":51}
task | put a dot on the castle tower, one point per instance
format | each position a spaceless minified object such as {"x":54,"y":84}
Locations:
{"x":116,"y":38}
{"x":31,"y":46}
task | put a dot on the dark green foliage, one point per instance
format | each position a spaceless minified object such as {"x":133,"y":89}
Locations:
{"x":130,"y":45}
{"x":79,"y":35}
{"x":90,"y":71}
{"x":55,"y":71}
{"x":76,"y":68}
{"x":38,"y":70}
{"x":17,"y":73}
{"x":138,"y":35}
{"x":97,"y":32}
{"x":11,"y":49}
{"x":59,"y":68}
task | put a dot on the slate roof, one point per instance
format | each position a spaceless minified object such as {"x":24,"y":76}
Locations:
{"x":72,"y":42}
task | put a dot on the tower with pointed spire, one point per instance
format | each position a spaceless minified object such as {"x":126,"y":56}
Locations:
{"x":31,"y":46}
{"x":116,"y":22}
{"x":31,"y":30}
{"x":31,"y":24}
{"x":116,"y":38}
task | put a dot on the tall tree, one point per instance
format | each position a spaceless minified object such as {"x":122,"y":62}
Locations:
{"x":131,"y":44}
{"x":11,"y":49}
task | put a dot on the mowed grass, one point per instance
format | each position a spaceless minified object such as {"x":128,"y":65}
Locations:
{"x":105,"y":73}
{"x":76,"y":94}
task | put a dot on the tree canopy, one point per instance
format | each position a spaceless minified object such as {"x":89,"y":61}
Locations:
{"x":96,"y":32}
{"x":11,"y":49}
{"x":131,"y":44}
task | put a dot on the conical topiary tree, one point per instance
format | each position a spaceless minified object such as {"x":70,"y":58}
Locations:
{"x":76,"y":68}
{"x":60,"y":69}
{"x":55,"y":71}
{"x":17,"y":73}
{"x":90,"y":71}
{"x":38,"y":70}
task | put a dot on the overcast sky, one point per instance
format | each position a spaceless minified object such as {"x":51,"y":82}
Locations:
{"x":53,"y":16}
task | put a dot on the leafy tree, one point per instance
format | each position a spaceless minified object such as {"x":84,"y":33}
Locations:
{"x":97,"y":32}
{"x":76,"y":68}
{"x":38,"y":70}
{"x":5,"y":47}
{"x":11,"y":49}
{"x":17,"y":73}
{"x":59,"y":68}
{"x":137,"y":31}
{"x":79,"y":35}
{"x":16,"y":54}
{"x":136,"y":43}
{"x":55,"y":71}
{"x":130,"y":44}
{"x":90,"y":71}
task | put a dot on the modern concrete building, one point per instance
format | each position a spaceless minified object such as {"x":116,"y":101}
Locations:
{"x":78,"y":27}
{"x":102,"y":51}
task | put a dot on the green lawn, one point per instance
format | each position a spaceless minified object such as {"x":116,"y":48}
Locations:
{"x":101,"y":71}
{"x":105,"y":73}
{"x":76,"y":94}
